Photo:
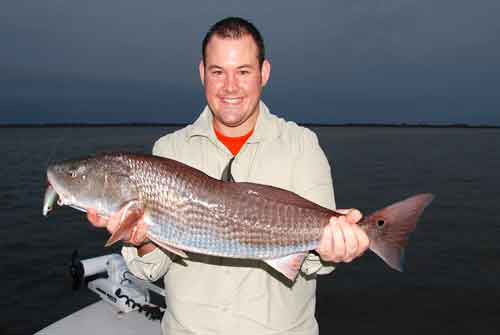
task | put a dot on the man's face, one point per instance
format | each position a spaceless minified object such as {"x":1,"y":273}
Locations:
{"x":233,"y":81}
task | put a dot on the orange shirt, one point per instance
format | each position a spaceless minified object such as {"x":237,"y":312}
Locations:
{"x":234,"y":144}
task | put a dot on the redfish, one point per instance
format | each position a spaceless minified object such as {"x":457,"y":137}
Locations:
{"x":187,"y":210}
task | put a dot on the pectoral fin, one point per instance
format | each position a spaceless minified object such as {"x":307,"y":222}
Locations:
{"x":126,"y":218}
{"x":288,"y":265}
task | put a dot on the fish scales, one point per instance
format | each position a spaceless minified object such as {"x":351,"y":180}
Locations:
{"x":193,"y":211}
{"x":186,"y":210}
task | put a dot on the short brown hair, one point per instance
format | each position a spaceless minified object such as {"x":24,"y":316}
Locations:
{"x":235,"y":28}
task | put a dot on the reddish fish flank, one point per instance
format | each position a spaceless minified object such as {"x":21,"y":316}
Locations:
{"x":186,"y":210}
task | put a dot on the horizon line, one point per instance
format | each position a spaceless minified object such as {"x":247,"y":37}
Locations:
{"x":182,"y":124}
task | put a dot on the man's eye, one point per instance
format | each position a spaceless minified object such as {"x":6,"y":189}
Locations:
{"x":216,"y":73}
{"x":244,"y":72}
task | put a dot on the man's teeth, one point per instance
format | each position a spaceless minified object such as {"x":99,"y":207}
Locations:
{"x":232,"y":100}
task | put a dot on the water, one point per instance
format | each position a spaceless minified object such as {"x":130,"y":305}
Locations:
{"x":452,"y":271}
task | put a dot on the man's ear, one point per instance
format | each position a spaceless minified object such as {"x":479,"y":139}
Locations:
{"x":265,"y":72}
{"x":201,"y":69}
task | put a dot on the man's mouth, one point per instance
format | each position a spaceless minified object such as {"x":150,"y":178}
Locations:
{"x":231,"y":101}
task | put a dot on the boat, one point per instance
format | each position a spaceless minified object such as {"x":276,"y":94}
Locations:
{"x":126,"y":304}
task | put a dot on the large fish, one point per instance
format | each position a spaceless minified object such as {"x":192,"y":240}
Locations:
{"x":186,"y":210}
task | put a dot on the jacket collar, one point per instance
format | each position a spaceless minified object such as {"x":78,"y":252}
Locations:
{"x":265,"y":129}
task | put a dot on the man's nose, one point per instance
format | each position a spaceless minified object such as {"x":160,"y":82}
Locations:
{"x":231,"y":84}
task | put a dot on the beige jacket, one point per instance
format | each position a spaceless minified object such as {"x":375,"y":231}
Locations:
{"x":214,"y":295}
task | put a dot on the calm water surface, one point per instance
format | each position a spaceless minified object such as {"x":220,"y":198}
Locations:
{"x":452,"y":273}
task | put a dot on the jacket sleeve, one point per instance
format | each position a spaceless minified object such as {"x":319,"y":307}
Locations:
{"x":313,"y":181}
{"x":151,"y":266}
{"x":155,"y":264}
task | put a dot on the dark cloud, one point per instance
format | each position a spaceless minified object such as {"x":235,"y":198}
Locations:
{"x":342,"y":61}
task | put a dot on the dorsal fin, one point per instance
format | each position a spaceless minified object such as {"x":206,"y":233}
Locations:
{"x":226,"y":173}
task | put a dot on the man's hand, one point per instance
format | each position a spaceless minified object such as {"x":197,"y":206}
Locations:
{"x":343,"y":240}
{"x":137,"y":238}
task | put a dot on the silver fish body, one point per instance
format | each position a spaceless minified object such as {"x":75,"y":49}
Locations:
{"x":187,"y":210}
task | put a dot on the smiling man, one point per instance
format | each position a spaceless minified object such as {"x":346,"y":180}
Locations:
{"x":233,"y":76}
{"x":214,"y":295}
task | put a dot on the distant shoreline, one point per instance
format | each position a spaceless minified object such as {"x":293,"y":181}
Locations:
{"x":141,"y":124}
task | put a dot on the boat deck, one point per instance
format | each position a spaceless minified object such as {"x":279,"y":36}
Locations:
{"x":102,"y":318}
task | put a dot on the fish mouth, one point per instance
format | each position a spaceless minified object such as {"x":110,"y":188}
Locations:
{"x":52,"y":197}
{"x":56,"y":194}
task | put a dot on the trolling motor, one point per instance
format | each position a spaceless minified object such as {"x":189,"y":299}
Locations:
{"x":120,"y":288}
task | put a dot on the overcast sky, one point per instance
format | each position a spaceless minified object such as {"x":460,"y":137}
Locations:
{"x":435,"y":61}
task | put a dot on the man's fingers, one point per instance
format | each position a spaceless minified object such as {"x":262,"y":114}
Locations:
{"x":95,"y":219}
{"x":343,"y":211}
{"x":338,"y":240}
{"x":363,"y":240}
{"x":326,"y":242}
{"x":352,"y":214}
{"x":356,"y":239}
{"x":343,"y":240}
{"x":351,"y":241}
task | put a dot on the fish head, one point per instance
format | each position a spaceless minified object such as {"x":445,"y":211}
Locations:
{"x":100,"y":182}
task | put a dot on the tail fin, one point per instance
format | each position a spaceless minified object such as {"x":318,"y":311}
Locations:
{"x":389,"y":228}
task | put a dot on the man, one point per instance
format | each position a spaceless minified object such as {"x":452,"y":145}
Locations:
{"x":214,"y":295}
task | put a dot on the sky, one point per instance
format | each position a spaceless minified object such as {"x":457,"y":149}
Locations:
{"x":359,"y":61}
